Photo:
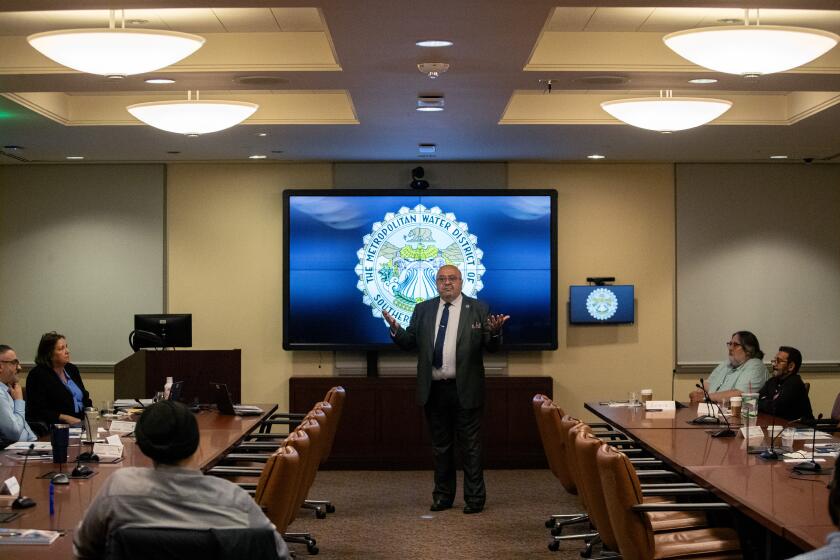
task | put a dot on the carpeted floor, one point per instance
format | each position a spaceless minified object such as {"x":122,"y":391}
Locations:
{"x":385,"y":515}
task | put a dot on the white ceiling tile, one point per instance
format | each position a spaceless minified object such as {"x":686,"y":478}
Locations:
{"x":673,"y":19}
{"x":192,"y":20}
{"x":569,"y":19}
{"x":245,"y":20}
{"x":299,"y":19}
{"x":618,"y":19}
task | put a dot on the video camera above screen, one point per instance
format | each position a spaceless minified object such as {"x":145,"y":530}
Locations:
{"x":163,"y":330}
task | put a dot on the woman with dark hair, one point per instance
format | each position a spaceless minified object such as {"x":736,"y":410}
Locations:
{"x":55,"y":392}
{"x":742,"y":372}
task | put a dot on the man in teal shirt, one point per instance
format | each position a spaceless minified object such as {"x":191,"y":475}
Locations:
{"x":743,"y":372}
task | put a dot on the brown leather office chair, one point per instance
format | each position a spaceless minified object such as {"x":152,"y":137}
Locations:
{"x":305,"y":441}
{"x":632,"y":529}
{"x":586,"y":446}
{"x":277,"y":489}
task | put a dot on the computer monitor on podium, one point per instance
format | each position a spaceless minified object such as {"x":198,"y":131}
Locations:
{"x":174,"y":329}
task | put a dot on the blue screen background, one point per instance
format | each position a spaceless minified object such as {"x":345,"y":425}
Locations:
{"x":577,"y":304}
{"x":325,"y":307}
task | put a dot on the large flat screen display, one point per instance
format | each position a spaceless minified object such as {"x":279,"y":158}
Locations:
{"x":349,"y":254}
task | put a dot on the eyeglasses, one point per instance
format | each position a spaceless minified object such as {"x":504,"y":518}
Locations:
{"x":13,"y":362}
{"x":775,"y":361}
{"x":734,"y":344}
{"x":444,"y":279}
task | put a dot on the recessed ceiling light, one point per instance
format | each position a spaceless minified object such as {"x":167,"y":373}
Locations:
{"x":75,"y":157}
{"x":430,"y":109}
{"x":431,"y":43}
{"x":262,"y":134}
{"x":730,"y":21}
{"x":159,"y":81}
{"x":596,"y":156}
{"x":702,"y":81}
{"x":257,"y":156}
{"x":778,"y":157}
{"x":137,"y":21}
{"x":427,"y":148}
{"x":428,"y":103}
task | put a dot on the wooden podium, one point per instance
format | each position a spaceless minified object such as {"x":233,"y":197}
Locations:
{"x":144,"y":373}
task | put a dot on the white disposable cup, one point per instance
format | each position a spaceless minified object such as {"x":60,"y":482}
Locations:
{"x":788,"y":437}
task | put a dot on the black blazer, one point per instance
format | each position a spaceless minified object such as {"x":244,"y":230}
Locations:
{"x":47,"y":397}
{"x":473,"y":338}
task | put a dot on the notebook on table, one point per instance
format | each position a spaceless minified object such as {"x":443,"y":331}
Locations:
{"x":225,"y":402}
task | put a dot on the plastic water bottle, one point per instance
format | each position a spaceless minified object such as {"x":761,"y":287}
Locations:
{"x":166,"y":388}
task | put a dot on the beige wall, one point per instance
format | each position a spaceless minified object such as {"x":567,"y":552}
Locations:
{"x":224,"y":265}
{"x":613,"y":220}
{"x":224,"y":248}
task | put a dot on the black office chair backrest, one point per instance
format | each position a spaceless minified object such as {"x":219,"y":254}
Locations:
{"x":135,"y":543}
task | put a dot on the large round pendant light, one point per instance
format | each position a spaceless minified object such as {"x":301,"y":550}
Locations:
{"x":666,"y":114}
{"x":115,"y":52}
{"x":193,"y":117}
{"x":751,"y":50}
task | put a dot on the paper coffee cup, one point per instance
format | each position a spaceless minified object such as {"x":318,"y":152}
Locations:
{"x":735,"y":405}
{"x":646,"y":395}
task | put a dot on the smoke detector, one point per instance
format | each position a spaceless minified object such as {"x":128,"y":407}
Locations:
{"x":433,"y":69}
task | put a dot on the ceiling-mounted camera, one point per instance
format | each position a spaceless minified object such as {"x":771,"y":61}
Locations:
{"x":417,"y":181}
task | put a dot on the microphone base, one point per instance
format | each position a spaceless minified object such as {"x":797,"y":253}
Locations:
{"x":22,"y":502}
{"x":770,"y":455}
{"x":724,"y":433}
{"x":705,"y":420}
{"x":808,"y":466}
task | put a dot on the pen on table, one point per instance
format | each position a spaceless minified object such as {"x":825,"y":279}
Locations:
{"x":52,"y":498}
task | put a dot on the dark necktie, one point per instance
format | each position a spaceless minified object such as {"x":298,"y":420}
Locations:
{"x":437,"y":357}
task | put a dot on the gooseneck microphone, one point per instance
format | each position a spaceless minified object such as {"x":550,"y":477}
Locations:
{"x":705,"y":418}
{"x":726,"y":432}
{"x":22,"y":502}
{"x":770,"y":454}
{"x":812,"y":465}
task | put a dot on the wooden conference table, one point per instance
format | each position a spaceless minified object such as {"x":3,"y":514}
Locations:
{"x":791,"y":506}
{"x":219,"y":434}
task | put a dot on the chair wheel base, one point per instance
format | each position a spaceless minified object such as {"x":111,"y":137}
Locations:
{"x":554,"y":546}
{"x":320,"y":514}
{"x":330,"y":508}
{"x":550,"y":523}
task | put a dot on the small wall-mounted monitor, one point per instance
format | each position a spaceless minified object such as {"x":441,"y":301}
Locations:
{"x":174,"y":330}
{"x":600,"y":305}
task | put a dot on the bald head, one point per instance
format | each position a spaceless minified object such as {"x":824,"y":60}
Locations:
{"x":449,"y":282}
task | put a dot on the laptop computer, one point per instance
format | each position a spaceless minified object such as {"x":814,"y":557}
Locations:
{"x":176,"y":390}
{"x":225,"y":403}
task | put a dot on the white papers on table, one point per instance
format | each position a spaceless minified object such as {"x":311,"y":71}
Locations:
{"x":131,"y":403}
{"x":660,"y":405}
{"x":755,"y":432}
{"x":112,"y":450}
{"x":10,"y":487}
{"x":121,"y":427}
{"x":24,"y":445}
{"x":27,"y":536}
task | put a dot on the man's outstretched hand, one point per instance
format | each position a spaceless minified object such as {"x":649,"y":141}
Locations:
{"x":496,"y":322}
{"x":391,"y":321}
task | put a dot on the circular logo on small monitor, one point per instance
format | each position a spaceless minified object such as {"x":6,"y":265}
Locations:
{"x":400,"y":257}
{"x":601,"y":303}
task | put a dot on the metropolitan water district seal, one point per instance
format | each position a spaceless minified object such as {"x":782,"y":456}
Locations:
{"x":399,"y":259}
{"x":601,"y":303}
